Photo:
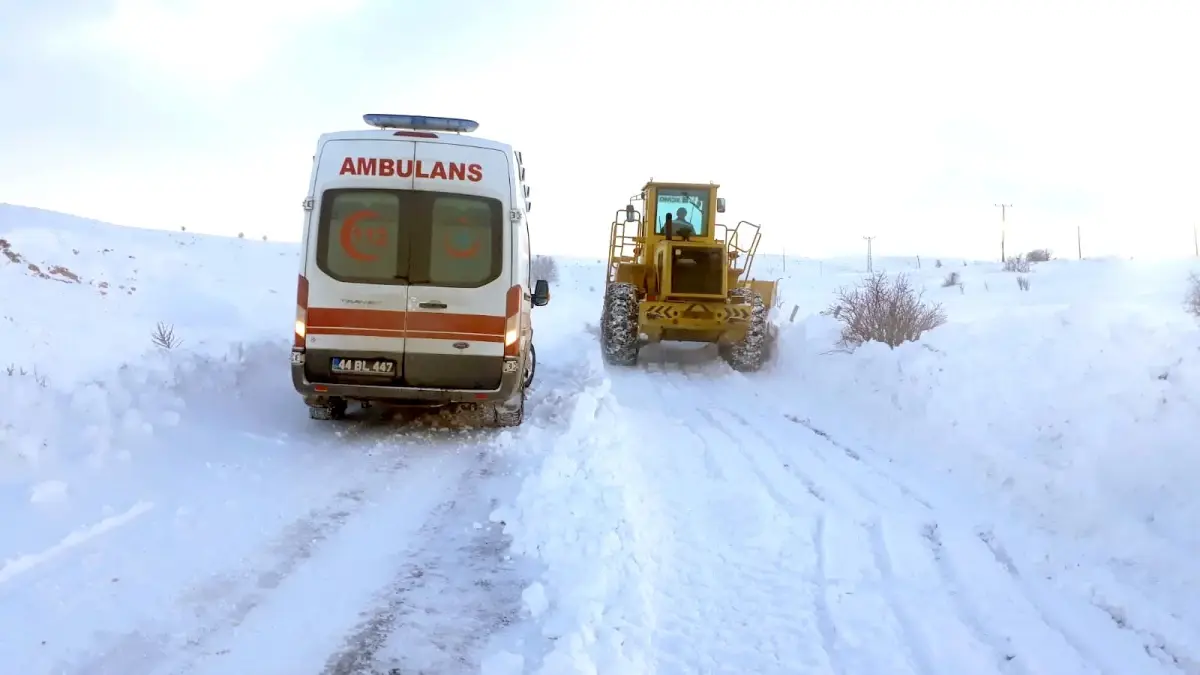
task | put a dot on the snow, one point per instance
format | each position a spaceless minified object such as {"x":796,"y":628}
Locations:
{"x":1010,"y":494}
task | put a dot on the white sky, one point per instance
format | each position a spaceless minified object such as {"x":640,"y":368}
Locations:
{"x":823,"y":121}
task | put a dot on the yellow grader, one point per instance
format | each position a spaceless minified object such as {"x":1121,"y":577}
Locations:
{"x":675,"y":274}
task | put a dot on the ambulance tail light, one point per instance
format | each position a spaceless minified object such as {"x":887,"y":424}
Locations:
{"x":420,"y":122}
{"x":416,"y":134}
{"x":512,"y":321}
{"x":301,"y":312}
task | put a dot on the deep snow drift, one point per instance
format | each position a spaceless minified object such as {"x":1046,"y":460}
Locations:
{"x":1012,"y":494}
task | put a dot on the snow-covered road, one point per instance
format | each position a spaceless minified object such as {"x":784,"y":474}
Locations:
{"x":174,"y":511}
{"x":758,"y":542}
{"x":356,"y":550}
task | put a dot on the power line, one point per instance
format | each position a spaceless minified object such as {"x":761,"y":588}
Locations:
{"x":1003,"y":212}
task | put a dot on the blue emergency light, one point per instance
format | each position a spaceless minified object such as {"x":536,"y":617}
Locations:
{"x":420,"y":122}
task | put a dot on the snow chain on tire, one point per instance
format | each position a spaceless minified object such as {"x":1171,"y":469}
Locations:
{"x":619,"y":325}
{"x":748,"y":354}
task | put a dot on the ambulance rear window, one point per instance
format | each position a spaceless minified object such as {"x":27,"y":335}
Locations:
{"x":410,"y":236}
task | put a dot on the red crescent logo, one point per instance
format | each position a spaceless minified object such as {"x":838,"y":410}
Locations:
{"x":350,"y":231}
{"x":468,"y":252}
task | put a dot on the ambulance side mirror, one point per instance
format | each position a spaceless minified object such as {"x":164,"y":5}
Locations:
{"x":720,"y":205}
{"x":541,"y":293}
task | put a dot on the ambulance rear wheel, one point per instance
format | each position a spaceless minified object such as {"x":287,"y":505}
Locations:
{"x":530,"y":366}
{"x":511,"y":415}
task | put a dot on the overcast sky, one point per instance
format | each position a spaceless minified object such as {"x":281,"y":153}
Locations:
{"x":824,"y":121}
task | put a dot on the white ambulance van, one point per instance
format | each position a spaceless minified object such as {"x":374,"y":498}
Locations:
{"x":415,"y":281}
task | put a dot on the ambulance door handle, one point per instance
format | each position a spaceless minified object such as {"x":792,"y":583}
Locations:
{"x":432,"y":305}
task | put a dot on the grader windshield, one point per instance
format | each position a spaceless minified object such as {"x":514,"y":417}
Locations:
{"x":688,"y":208}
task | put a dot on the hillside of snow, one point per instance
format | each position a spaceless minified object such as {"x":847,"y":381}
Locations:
{"x":1010,"y":494}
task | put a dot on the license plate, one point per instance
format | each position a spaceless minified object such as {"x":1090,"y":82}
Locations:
{"x":363,"y":366}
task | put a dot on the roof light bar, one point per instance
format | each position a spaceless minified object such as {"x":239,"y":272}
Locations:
{"x":420,"y":122}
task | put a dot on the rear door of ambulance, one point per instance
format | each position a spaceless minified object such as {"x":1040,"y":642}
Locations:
{"x":359,"y":263}
{"x":461,"y":268}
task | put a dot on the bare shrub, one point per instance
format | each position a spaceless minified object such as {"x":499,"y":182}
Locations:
{"x":164,"y":336}
{"x":883,"y":310}
{"x":14,"y":370}
{"x":1016,"y":264}
{"x":951,"y":279}
{"x":1191,"y":301}
{"x":544,"y":267}
{"x":937,"y":263}
{"x":1039,"y":255}
{"x":1023,"y":283}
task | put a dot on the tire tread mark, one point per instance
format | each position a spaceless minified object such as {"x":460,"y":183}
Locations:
{"x":776,"y":494}
{"x":1005,"y":656}
{"x":883,"y":561}
{"x":1005,"y":561}
{"x":825,"y":625}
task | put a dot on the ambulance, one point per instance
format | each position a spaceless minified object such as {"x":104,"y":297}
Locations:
{"x":415,"y":283}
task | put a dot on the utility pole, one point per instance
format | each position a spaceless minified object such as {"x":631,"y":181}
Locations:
{"x":1195,"y":241}
{"x":1003,"y":212}
{"x":1079,"y":242}
{"x":870,"y":266}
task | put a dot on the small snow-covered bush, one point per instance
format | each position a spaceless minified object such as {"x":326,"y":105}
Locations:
{"x":1016,"y":264}
{"x":1023,"y":283}
{"x":1039,"y":255}
{"x":883,"y":310}
{"x":544,"y":267}
{"x":164,"y":336}
{"x":1191,"y":301}
{"x":951,"y":279}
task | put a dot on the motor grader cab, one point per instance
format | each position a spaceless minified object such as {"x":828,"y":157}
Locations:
{"x":675,"y":274}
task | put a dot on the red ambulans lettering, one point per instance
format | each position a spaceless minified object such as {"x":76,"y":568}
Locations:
{"x":407,"y":168}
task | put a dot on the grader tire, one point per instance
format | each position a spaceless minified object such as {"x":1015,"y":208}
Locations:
{"x":619,"y":325}
{"x":748,"y":354}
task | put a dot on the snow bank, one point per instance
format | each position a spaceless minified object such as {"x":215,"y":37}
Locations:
{"x":82,"y":297}
{"x":597,"y":548}
{"x":113,"y":416}
{"x":1078,"y":409}
{"x":85,"y":388}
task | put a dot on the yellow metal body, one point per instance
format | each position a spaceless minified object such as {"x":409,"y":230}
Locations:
{"x":686,"y":277}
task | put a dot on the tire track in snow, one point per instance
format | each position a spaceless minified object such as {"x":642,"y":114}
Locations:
{"x":912,"y":637}
{"x":857,"y":457}
{"x":1036,"y":641}
{"x":870,"y":633}
{"x":821,"y":603}
{"x":850,"y":636}
{"x":851,"y":495}
{"x":789,"y":503}
{"x":411,"y":612}
{"x":755,"y":462}
{"x":236,"y":594}
{"x":297,"y":626}
{"x":702,"y":421}
{"x":741,"y":589}
{"x":1082,"y":638}
{"x":1003,"y":652}
{"x":1066,"y":624}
